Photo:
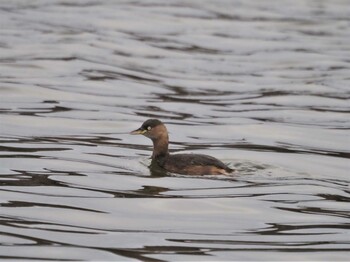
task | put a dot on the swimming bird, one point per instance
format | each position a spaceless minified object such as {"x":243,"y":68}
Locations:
{"x":186,"y":164}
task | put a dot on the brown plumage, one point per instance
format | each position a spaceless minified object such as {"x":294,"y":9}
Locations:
{"x":187,"y":164}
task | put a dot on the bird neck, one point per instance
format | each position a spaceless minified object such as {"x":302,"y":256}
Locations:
{"x":160,"y":147}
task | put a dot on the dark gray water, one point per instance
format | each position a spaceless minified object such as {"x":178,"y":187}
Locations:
{"x":261,"y":85}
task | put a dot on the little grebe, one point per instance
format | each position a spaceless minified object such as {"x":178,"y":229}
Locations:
{"x":187,"y":164}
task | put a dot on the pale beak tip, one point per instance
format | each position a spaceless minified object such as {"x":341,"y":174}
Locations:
{"x":134,"y":132}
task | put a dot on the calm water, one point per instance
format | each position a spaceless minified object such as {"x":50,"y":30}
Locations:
{"x":262,"y":85}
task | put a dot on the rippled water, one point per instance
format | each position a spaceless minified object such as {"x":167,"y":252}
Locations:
{"x":262,"y":85}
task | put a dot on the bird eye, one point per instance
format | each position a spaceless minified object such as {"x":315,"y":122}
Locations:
{"x":149,"y":128}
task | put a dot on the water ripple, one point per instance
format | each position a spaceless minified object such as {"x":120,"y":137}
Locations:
{"x":262,"y":86}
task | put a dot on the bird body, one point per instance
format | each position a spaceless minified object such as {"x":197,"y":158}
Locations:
{"x":187,"y":164}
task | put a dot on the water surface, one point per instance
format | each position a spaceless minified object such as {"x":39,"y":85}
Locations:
{"x":264,"y":86}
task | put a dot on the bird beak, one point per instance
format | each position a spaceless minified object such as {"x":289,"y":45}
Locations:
{"x":139,"y":131}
